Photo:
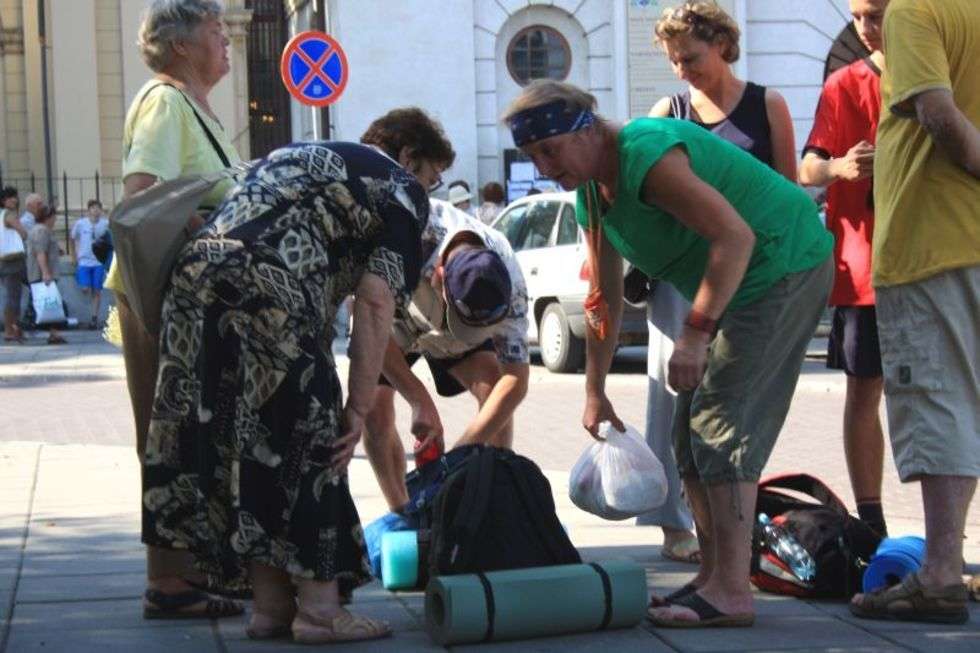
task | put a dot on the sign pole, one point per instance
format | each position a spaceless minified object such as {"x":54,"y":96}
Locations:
{"x":314,"y":70}
{"x":315,"y":112}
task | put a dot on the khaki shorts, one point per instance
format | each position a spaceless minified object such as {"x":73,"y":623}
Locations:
{"x":928,"y":332}
{"x":726,"y":428}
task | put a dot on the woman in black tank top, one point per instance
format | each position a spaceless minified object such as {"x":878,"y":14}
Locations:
{"x":746,"y":126}
{"x":701,"y":41}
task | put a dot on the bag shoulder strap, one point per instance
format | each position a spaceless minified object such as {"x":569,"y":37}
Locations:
{"x":678,"y":107}
{"x":472,"y":507}
{"x":808,"y":485}
{"x":544,"y":521}
{"x":207,"y":132}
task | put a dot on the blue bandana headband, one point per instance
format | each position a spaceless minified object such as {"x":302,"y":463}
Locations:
{"x":547,"y":120}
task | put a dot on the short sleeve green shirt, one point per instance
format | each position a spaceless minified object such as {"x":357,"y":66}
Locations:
{"x":789,"y":235}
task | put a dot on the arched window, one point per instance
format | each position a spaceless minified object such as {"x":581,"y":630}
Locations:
{"x":538,"y":52}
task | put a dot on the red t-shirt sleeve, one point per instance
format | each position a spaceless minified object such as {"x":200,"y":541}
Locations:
{"x":823,"y":139}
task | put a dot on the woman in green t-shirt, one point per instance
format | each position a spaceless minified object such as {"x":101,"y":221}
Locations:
{"x":740,"y":242}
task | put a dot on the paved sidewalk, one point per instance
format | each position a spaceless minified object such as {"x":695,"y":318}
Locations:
{"x":71,"y":565}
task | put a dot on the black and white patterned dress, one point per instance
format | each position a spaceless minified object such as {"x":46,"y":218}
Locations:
{"x":248,"y":403}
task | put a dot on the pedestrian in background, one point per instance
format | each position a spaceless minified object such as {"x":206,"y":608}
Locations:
{"x":13,"y":264}
{"x":170,"y":130}
{"x":493,"y":202}
{"x":33,"y":204}
{"x":926,"y":275}
{"x":89,"y":271}
{"x":839,"y":154}
{"x":701,"y":43}
{"x":44,"y":259}
{"x":460,"y":196}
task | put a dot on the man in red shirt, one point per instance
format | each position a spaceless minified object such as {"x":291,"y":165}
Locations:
{"x":839,"y":154}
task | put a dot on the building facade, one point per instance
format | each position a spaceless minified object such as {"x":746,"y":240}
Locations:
{"x":93,"y":72}
{"x":461,"y":60}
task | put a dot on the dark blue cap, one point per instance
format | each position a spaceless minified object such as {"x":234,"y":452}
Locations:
{"x":477,"y":287}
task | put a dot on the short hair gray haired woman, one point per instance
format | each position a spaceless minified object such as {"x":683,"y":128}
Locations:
{"x":739,"y":241}
{"x":171,"y":130}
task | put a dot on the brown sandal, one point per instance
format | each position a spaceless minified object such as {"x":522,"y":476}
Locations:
{"x":270,"y":629}
{"x":911,"y":601}
{"x":347,"y":627}
{"x":160,"y":605}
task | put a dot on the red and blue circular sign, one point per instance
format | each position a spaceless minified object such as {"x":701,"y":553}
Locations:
{"x":314,"y":68}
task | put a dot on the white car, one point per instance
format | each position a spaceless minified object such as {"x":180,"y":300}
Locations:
{"x":551,"y":250}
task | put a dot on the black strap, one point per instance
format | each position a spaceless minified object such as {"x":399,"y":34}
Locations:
{"x":207,"y":132}
{"x":607,"y":592}
{"x":473,"y":506}
{"x":680,"y":107}
{"x":423,"y":542}
{"x":808,"y":485}
{"x":491,"y":606}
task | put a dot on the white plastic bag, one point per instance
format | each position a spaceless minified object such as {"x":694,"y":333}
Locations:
{"x":619,"y":477}
{"x":47,"y":303}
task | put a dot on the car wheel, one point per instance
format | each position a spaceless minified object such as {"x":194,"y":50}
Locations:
{"x":561,"y":351}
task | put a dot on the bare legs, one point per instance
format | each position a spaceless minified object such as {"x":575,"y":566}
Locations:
{"x":724,"y":514}
{"x":384,"y":448}
{"x":864,"y":446}
{"x":945,"y":500}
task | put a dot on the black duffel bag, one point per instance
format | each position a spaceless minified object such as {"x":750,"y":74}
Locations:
{"x":839,"y":544}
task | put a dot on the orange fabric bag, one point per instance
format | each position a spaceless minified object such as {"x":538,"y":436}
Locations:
{"x":596,"y":307}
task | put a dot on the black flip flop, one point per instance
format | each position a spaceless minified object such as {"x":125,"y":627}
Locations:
{"x":160,"y":605}
{"x":708,"y":615}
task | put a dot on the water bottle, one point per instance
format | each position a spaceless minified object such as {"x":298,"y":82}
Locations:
{"x":787,"y":549}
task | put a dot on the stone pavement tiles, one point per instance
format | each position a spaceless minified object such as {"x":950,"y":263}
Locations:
{"x":71,"y":574}
{"x":77,"y":394}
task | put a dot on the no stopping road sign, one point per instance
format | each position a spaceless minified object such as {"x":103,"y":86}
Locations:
{"x":314,"y":68}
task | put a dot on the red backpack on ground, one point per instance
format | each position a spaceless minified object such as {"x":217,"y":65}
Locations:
{"x":839,"y":543}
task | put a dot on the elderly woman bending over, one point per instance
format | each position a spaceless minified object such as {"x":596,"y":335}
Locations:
{"x":746,"y":247}
{"x":170,"y":130}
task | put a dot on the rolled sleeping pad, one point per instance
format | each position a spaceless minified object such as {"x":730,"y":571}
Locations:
{"x":404,"y":560}
{"x":534,"y":602}
{"x":896,"y":558}
{"x":401,"y":565}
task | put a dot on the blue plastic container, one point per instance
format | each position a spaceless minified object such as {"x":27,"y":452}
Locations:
{"x":896,"y":558}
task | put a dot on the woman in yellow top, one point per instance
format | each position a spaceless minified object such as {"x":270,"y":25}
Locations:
{"x":170,"y":131}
